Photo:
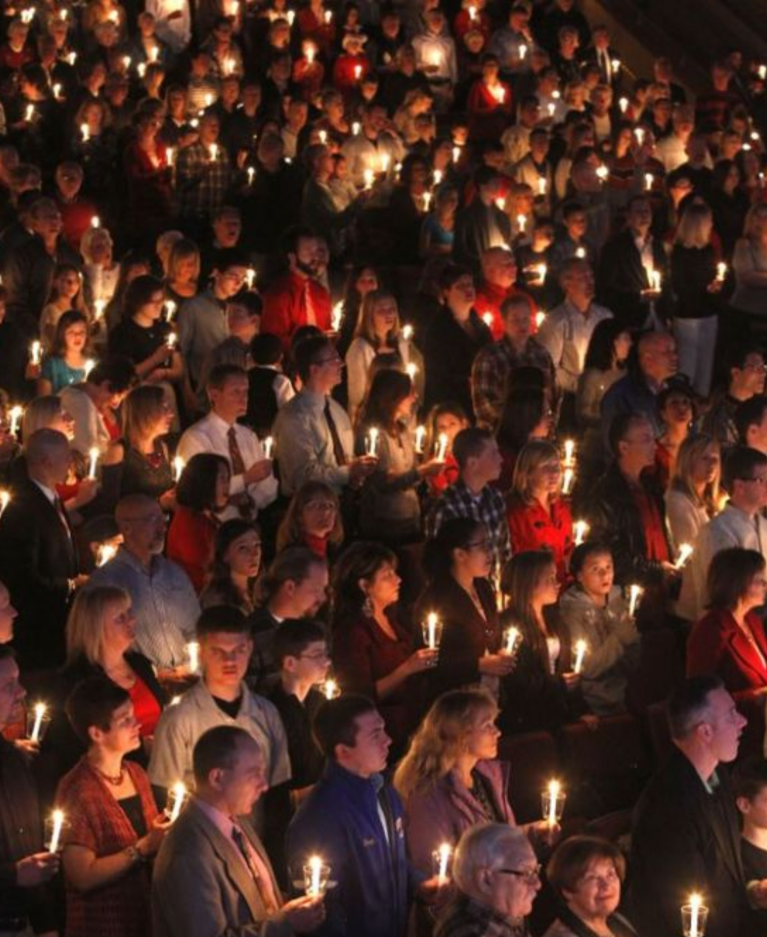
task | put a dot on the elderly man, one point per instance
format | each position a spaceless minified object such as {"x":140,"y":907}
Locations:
{"x":498,"y":877}
{"x":164,"y":600}
{"x":655,"y":363}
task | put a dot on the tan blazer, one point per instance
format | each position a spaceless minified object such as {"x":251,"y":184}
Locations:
{"x":201,"y":886}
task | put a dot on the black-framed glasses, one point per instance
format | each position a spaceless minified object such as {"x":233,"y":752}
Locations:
{"x":528,"y":875}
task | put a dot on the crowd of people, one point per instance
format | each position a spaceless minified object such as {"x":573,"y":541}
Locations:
{"x":382,"y":391}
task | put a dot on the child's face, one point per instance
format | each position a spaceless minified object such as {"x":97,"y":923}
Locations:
{"x":312,"y":665}
{"x":450,"y":424}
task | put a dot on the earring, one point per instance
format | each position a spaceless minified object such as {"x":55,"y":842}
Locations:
{"x":367,"y":607}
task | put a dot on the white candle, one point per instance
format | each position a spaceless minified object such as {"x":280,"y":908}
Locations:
{"x":171,"y":340}
{"x":170,"y":309}
{"x":442,"y":447}
{"x":426,"y":200}
{"x":328,"y":17}
{"x":385,"y":162}
{"x":438,"y":176}
{"x":522,"y":52}
{"x":57,"y":91}
{"x":763,"y":72}
{"x":85,"y":131}
{"x":685,"y":552}
{"x":635,"y":591}
{"x":541,"y":186}
{"x":16,"y":414}
{"x":179,"y":795}
{"x":569,"y":451}
{"x":580,"y":253}
{"x":721,"y":271}
{"x":456,"y":153}
{"x":542,"y":270}
{"x":602,"y":173}
{"x":552,"y":108}
{"x":649,"y":178}
{"x":178,"y":467}
{"x":444,"y":857}
{"x":94,"y":459}
{"x":35,"y":352}
{"x":521,"y":223}
{"x":5,"y":497}
{"x":540,"y":318}
{"x":40,"y":710}
{"x":251,"y":175}
{"x":337,"y":316}
{"x":357,"y":72}
{"x":616,"y":64}
{"x":250,"y":278}
{"x":512,"y":636}
{"x":580,"y":653}
{"x":655,"y":280}
{"x":268,"y":447}
{"x":487,"y":318}
{"x":104,"y":553}
{"x":639,"y":134}
{"x":126,"y":62}
{"x":30,"y":113}
{"x":554,"y":789}
{"x":193,"y":652}
{"x":431,"y":630}
{"x":90,"y":364}
{"x":213,"y":151}
{"x":58,"y":826}
{"x":356,"y":127}
{"x":580,"y":532}
{"x":141,"y":69}
{"x":372,"y":441}
{"x":315,"y":864}
{"x":412,"y":370}
{"x":407,"y":332}
{"x":567,"y":481}
{"x":367,"y":178}
{"x":695,"y":905}
{"x":420,"y":435}
{"x":330,"y":689}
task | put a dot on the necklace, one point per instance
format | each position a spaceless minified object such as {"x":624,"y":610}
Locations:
{"x":115,"y":781}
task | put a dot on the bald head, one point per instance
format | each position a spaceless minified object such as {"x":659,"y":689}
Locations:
{"x":658,"y":359}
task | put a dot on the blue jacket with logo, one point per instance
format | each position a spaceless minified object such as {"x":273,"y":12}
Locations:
{"x":340,"y":821}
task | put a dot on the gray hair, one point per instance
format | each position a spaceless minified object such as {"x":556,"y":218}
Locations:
{"x":42,"y":444}
{"x":486,"y":846}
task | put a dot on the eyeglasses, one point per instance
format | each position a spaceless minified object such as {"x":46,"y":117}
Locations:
{"x":529,"y":876}
{"x":479,"y":545}
{"x":336,"y":359}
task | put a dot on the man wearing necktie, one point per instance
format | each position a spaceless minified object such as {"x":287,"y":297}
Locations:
{"x":212,"y":875}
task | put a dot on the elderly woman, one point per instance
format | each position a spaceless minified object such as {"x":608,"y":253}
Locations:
{"x":587,"y":874}
{"x":497,"y":877}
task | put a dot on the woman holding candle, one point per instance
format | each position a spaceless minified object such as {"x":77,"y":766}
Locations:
{"x":458,"y":563}
{"x":490,"y":104}
{"x":693,"y":496}
{"x":541,"y":691}
{"x":372,"y":652}
{"x":729,"y":640}
{"x":587,"y":874}
{"x":676,"y":408}
{"x":149,"y":177}
{"x":378,"y":333}
{"x":313,"y":520}
{"x":390,"y":509}
{"x":443,"y":424}
{"x":202,"y":491}
{"x":66,"y":363}
{"x":114,"y":824}
{"x":539,"y":518}
{"x":594,"y":611}
{"x":66,"y":294}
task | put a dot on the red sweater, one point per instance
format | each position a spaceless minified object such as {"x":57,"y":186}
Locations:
{"x":190,"y":544}
{"x":532,"y":527}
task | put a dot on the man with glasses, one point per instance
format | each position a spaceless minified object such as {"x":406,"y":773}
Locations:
{"x":746,"y":369}
{"x":164,"y":600}
{"x":686,"y":837}
{"x":313,"y":434}
{"x":221,"y":697}
{"x":497,"y":876}
{"x":740,"y":524}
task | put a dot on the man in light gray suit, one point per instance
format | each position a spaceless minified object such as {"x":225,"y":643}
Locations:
{"x":212,"y":877}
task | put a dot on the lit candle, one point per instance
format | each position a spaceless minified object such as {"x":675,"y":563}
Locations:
{"x":171,"y":340}
{"x":456,"y":153}
{"x":141,"y":69}
{"x":372,"y":441}
{"x":655,"y":280}
{"x":552,"y":108}
{"x":268,"y":447}
{"x":178,"y":467}
{"x":179,"y":796}
{"x":213,"y":152}
{"x":407,"y":332}
{"x":420,"y":436}
{"x":357,"y":72}
{"x":721,"y":271}
{"x":323,"y":135}
{"x":438,"y":176}
{"x":16,"y":414}
{"x":580,"y":532}
{"x":328,"y":17}
{"x":521,"y":223}
{"x":411,"y":370}
{"x":94,"y":458}
{"x":763,"y":72}
{"x":310,"y":53}
{"x":541,"y":186}
{"x":569,"y":451}
{"x":72,"y":58}
{"x":385,"y":162}
{"x":89,"y":365}
{"x":35,"y":352}
{"x":330,"y":689}
{"x":567,"y":481}
{"x":154,"y":52}
{"x":251,"y":175}
{"x":635,"y":591}
{"x":337,"y":316}
{"x":57,"y":91}
{"x":228,"y":66}
{"x":616,"y":64}
{"x":649,"y":178}
{"x":554,"y":791}
{"x":522,"y":52}
{"x":639,"y":133}
{"x":542,"y":271}
{"x":57,"y":818}
{"x":367,"y":178}
{"x":126,"y":62}
{"x":580,"y":253}
{"x":356,"y":127}
{"x":5,"y":497}
{"x":432,"y":623}
{"x":104,"y":553}
{"x":426,"y":200}
{"x":444,"y":851}
{"x":193,"y":653}
{"x":685,"y":552}
{"x":511,"y":638}
{"x":441,"y":447}
{"x":85,"y":131}
{"x":40,"y":711}
{"x":170,"y":309}
{"x":695,"y":904}
{"x":487,"y":318}
{"x":250,"y":277}
{"x":315,"y":864}
{"x":472,"y":12}
{"x":602,"y":173}
{"x":499,"y":93}
{"x":30,"y":112}
{"x":580,"y":653}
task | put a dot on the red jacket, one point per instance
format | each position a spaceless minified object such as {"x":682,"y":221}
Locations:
{"x":287,"y":303}
{"x":489,"y":299}
{"x":532,"y":527}
{"x":717,"y":645}
{"x":190,"y":544}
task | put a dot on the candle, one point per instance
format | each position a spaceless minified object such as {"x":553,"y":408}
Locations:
{"x":685,"y":552}
{"x":456,"y":153}
{"x":5,"y":497}
{"x":487,"y":318}
{"x":328,"y":17}
{"x":85,"y":131}
{"x":99,"y":305}
{"x":407,"y":332}
{"x":580,"y":532}
{"x":694,"y":915}
{"x":170,"y":309}
{"x":213,"y":151}
{"x":310,"y":53}
{"x":521,"y":223}
{"x":337,"y":316}
{"x":178,"y":467}
{"x":357,"y":72}
{"x":721,"y":271}
{"x":580,"y":253}
{"x":412,"y":370}
{"x":330,"y":689}
{"x":432,"y":629}
{"x":635,"y":591}
{"x":40,"y":711}
{"x":16,"y":414}
{"x":552,"y":108}
{"x":57,"y":91}
{"x":385,"y":162}
{"x":602,"y":173}
{"x":510,"y":640}
{"x":154,"y":52}
{"x":554,"y":794}
{"x":420,"y":435}
{"x":178,"y":792}
{"x":104,"y":553}
{"x":250,"y":278}
{"x":649,"y":178}
{"x":126,"y":62}
{"x":57,"y":819}
{"x":655,"y":280}
{"x":323,"y":135}
{"x":567,"y":481}
{"x":569,"y":451}
{"x":356,"y":127}
{"x":94,"y":458}
{"x":35,"y":352}
{"x":228,"y":65}
{"x":268,"y":447}
{"x":315,"y":864}
{"x":426,"y":200}
{"x":616,"y":64}
{"x":371,"y":442}
{"x":580,"y":653}
{"x":90,"y":364}
{"x":441,"y":447}
{"x":763,"y":72}
{"x":251,"y":175}
{"x":438,"y":176}
{"x":72,"y":58}
{"x":522,"y":52}
{"x":541,"y":186}
{"x":443,"y":858}
{"x":193,"y":653}
{"x":141,"y":69}
{"x":499,"y":93}
{"x":171,"y":340}
{"x":367,"y":178}
{"x":639,"y":133}
{"x":30,"y":112}
{"x":542,"y":270}
{"x":472,"y":12}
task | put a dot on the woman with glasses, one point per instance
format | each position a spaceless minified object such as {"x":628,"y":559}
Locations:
{"x":729,"y":640}
{"x":587,"y":874}
{"x":114,"y":827}
{"x":313,"y":520}
{"x":539,"y":517}
{"x":458,"y":564}
{"x":541,"y":690}
{"x":373,"y":652}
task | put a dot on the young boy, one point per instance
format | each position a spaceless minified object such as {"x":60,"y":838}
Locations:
{"x":749,"y":781}
{"x":268,"y":387}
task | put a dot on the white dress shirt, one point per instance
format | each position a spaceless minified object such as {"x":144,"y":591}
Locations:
{"x":566,"y":333}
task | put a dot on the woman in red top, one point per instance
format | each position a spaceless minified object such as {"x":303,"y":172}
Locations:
{"x":114,"y":824}
{"x":489,"y":104}
{"x":313,"y":520}
{"x":148,"y":171}
{"x":445,"y":421}
{"x":372,"y":652}
{"x":539,"y":517}
{"x":202,"y":490}
{"x":729,"y":641}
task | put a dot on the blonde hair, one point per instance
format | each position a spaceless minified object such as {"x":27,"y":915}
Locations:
{"x":85,"y":625}
{"x":691,"y":449}
{"x":183,"y":249}
{"x":531,"y":457}
{"x":439,"y":741}
{"x":164,"y":245}
{"x":92,"y":236}
{"x":290,"y":533}
{"x":39,"y":413}
{"x":695,"y":225}
{"x":140,"y":408}
{"x":365,"y":326}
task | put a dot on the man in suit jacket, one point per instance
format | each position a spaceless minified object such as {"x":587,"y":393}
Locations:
{"x":623,"y":279}
{"x":212,"y":875}
{"x":38,"y":554}
{"x":686,"y":833}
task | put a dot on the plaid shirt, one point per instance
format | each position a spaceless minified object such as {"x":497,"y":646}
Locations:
{"x":488,"y":508}
{"x":201,"y":182}
{"x":466,"y":918}
{"x":490,"y":376}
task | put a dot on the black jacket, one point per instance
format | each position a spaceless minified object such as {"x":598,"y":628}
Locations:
{"x":621,"y":279}
{"x":449,"y":351}
{"x":28,"y":279}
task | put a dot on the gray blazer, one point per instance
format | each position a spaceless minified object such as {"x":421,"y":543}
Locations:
{"x":201,"y":887}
